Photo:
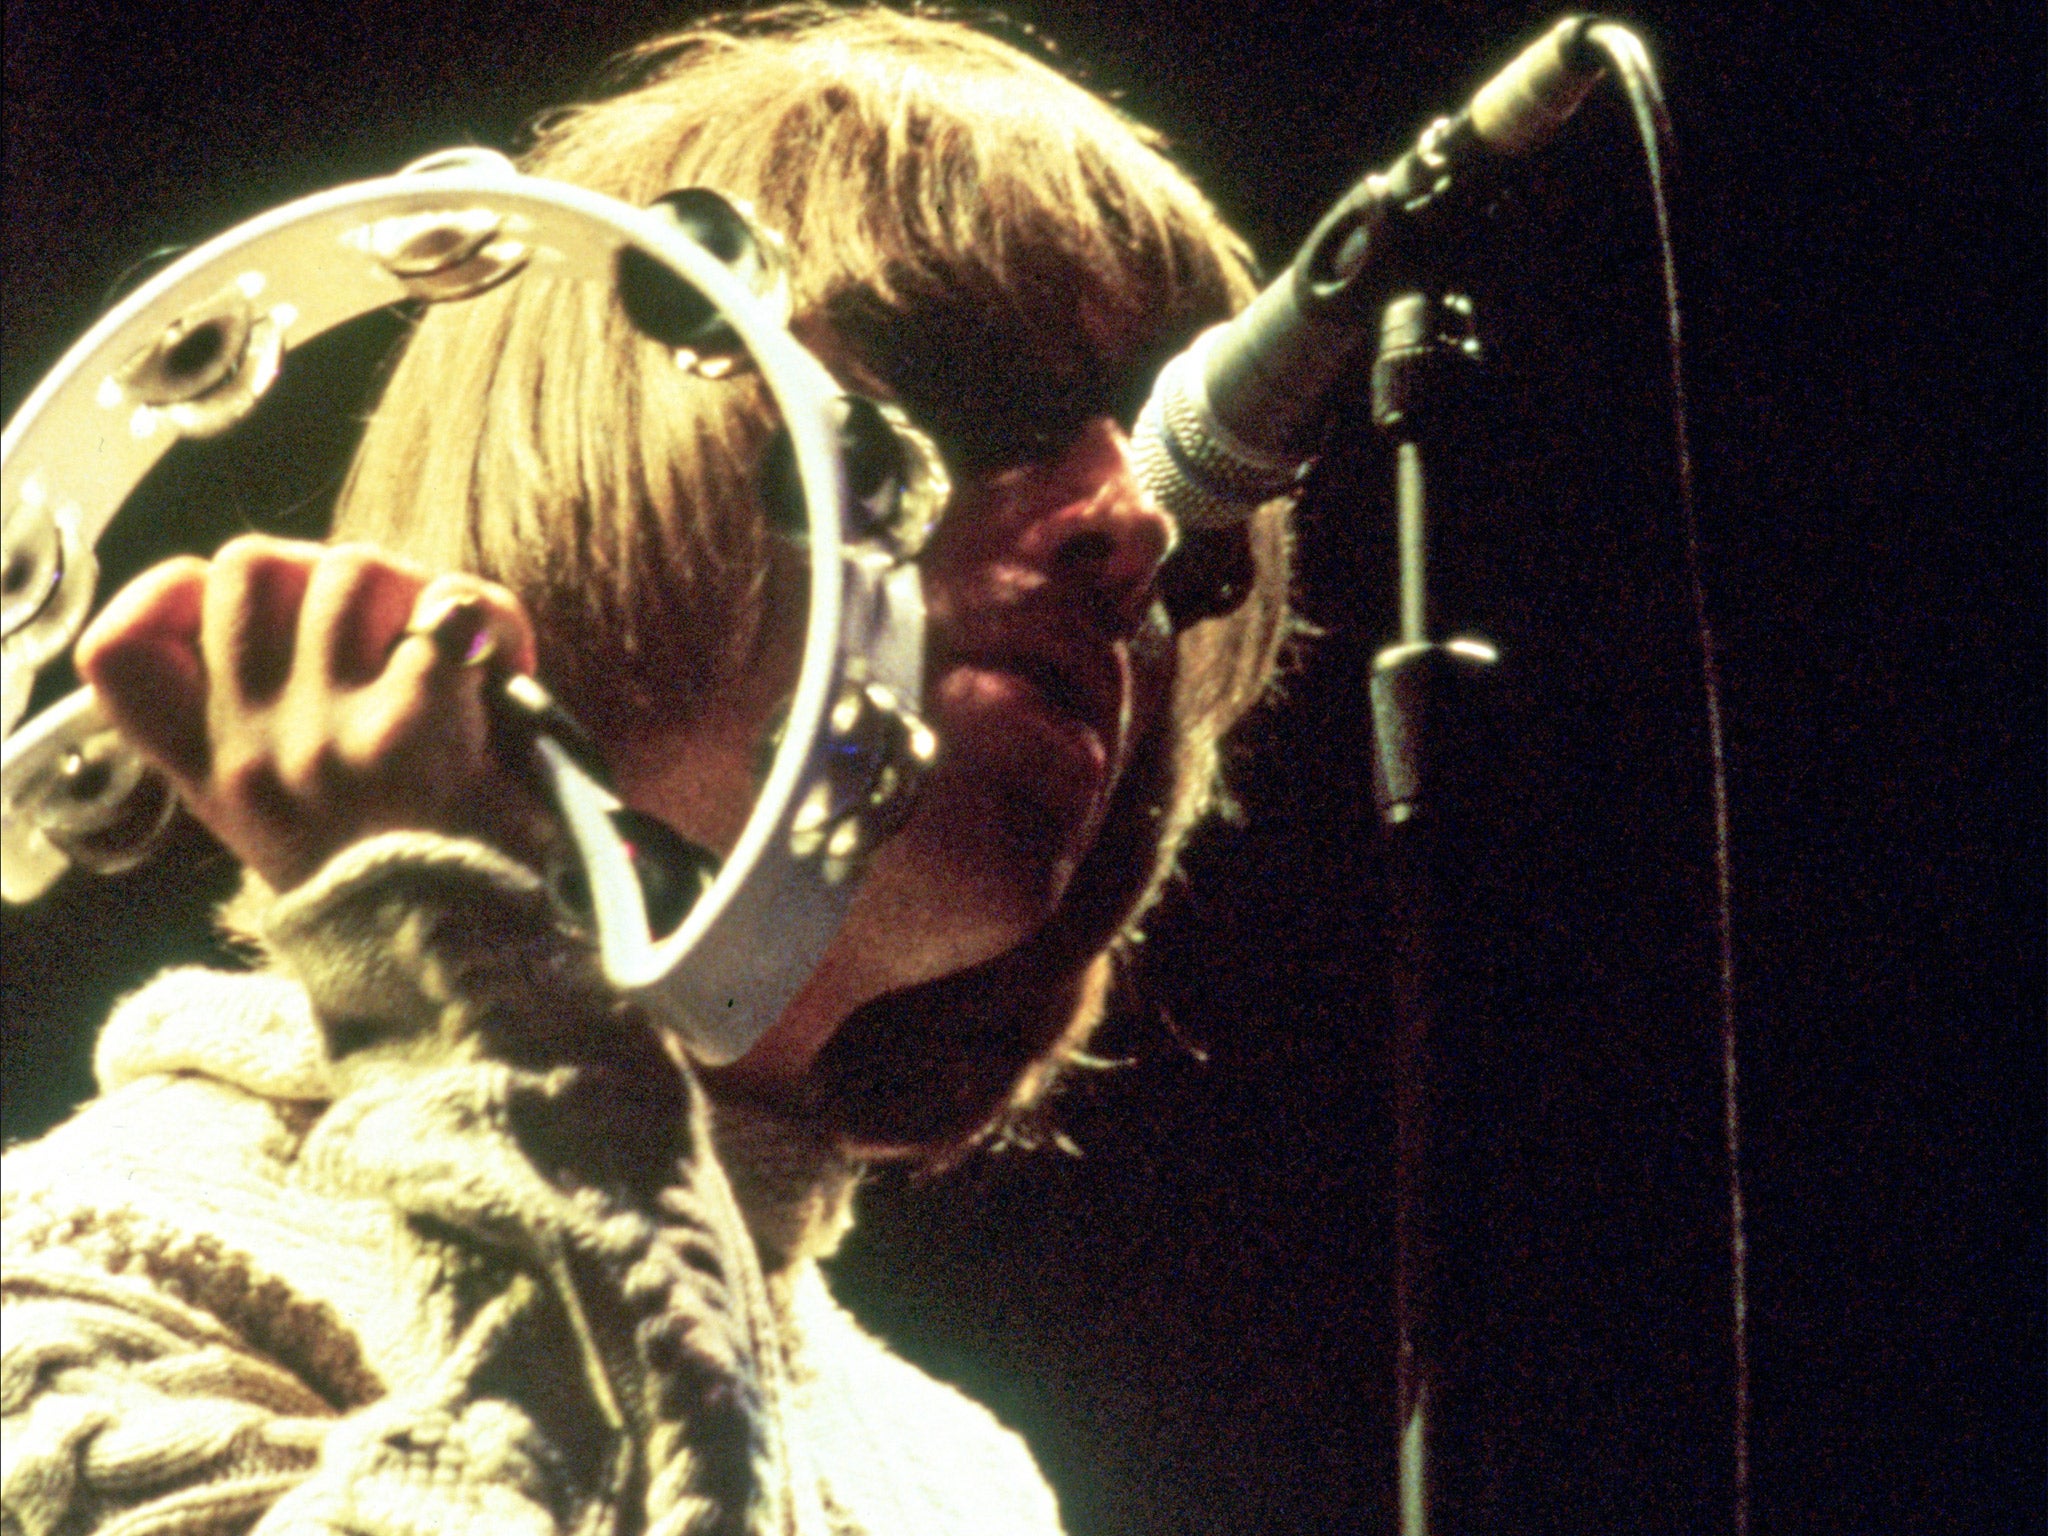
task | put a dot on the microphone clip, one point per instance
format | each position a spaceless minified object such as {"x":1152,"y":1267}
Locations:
{"x":1428,"y":360}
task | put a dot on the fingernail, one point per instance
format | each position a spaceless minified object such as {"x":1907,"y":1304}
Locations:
{"x":483,"y":645}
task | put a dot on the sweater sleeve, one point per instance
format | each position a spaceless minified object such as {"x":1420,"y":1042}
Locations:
{"x":416,"y":948}
{"x":148,"y":1386}
{"x":126,"y":1408}
{"x":557,"y":1308}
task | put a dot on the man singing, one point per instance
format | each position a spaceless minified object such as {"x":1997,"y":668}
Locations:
{"x":416,"y":1227}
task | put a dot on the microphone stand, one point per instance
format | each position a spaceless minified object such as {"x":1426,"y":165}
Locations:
{"x":1429,"y":710}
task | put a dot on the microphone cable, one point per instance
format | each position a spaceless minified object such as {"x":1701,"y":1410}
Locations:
{"x":1631,"y":64}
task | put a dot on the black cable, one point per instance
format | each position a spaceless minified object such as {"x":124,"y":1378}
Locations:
{"x":1638,"y":77}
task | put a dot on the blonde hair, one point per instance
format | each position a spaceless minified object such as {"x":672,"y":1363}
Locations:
{"x":967,"y":231}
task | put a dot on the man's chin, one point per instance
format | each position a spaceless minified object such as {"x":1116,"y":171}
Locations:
{"x":971,"y":875}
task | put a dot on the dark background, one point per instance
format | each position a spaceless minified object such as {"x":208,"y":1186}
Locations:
{"x":1190,"y":1320}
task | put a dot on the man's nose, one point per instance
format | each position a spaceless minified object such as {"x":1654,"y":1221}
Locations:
{"x":1096,"y":532}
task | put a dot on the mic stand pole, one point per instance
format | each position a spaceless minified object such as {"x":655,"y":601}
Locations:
{"x":1428,"y":708}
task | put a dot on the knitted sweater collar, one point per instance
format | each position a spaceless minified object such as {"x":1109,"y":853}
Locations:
{"x":794,"y":1186}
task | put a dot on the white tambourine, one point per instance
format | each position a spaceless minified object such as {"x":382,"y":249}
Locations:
{"x":190,"y":352}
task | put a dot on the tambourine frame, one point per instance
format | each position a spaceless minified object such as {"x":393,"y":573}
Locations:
{"x":852,"y":746}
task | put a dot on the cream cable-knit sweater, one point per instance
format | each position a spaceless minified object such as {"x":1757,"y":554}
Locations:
{"x":418,"y":1231}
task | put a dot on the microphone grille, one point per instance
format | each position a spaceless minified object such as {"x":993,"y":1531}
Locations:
{"x":1192,"y":465}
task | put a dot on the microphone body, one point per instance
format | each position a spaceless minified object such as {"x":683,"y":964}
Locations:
{"x":1232,"y":421}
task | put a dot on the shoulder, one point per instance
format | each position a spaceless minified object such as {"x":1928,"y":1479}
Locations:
{"x":163,"y":1360}
{"x":200,"y":1072}
{"x":205,"y":1076}
{"x":173,"y":1188}
{"x":898,"y":1449}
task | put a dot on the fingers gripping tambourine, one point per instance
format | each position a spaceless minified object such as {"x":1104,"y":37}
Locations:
{"x":190,"y":353}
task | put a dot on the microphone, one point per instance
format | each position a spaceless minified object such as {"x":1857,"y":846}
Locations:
{"x":1231,"y":421}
